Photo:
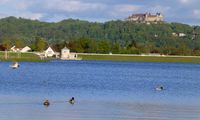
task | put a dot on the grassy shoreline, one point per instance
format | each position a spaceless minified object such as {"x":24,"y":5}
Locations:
{"x":31,"y":57}
{"x":21,"y":57}
{"x":172,"y":59}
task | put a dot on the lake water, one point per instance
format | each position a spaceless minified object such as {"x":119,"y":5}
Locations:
{"x":103,"y":90}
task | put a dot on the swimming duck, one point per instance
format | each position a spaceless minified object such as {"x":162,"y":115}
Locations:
{"x":159,"y":88}
{"x":15,"y":65}
{"x":46,"y":103}
{"x":72,"y":100}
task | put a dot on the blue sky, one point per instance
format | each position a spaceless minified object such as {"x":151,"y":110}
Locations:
{"x":184,"y":11}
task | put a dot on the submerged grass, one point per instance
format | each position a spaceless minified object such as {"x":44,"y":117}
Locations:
{"x":177,"y":59}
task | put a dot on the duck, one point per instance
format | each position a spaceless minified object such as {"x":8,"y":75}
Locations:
{"x":46,"y":103}
{"x":15,"y":65}
{"x":159,"y":88}
{"x":72,"y":100}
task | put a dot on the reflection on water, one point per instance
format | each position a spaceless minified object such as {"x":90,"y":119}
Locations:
{"x":103,"y":91}
{"x":88,"y":110}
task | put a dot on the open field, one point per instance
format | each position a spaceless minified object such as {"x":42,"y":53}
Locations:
{"x":12,"y":56}
{"x":179,"y":59}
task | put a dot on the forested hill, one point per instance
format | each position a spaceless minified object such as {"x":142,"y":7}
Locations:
{"x":156,"y":37}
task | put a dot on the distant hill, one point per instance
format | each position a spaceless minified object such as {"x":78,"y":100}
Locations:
{"x":111,"y":30}
{"x":123,"y":32}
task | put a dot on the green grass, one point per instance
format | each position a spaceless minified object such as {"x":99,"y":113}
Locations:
{"x":35,"y":58}
{"x":20,"y":57}
{"x":141,"y":58}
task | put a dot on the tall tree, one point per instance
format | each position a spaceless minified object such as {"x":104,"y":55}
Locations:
{"x":19,"y":43}
{"x":104,"y":47}
{"x":7,"y":43}
{"x":40,"y":44}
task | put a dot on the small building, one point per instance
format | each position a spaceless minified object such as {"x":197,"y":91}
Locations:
{"x":49,"y":52}
{"x":25,"y":49}
{"x":181,"y":34}
{"x":155,"y":35}
{"x":178,"y":34}
{"x":174,"y":34}
{"x":14,"y":49}
{"x":66,"y":55}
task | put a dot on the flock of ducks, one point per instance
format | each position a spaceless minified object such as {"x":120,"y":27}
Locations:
{"x":72,"y":100}
{"x":15,"y":65}
{"x":47,"y":103}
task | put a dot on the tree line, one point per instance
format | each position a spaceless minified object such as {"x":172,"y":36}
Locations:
{"x":91,"y":37}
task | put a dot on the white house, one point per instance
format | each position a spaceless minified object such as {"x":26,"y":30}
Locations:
{"x":25,"y":49}
{"x":14,"y":49}
{"x":49,"y":52}
{"x":155,"y":35}
{"x":66,"y":55}
{"x":179,"y":34}
{"x":174,"y":34}
{"x":182,"y":34}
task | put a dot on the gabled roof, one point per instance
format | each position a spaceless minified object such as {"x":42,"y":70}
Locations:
{"x":26,"y":47}
{"x":49,"y":49}
{"x":65,"y":48}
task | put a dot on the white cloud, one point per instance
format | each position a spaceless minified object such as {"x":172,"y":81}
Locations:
{"x":99,"y":10}
{"x":2,"y":15}
{"x":196,"y":13}
{"x":32,"y":16}
{"x":123,"y":10}
{"x":190,"y":2}
{"x":72,"y":5}
{"x":3,"y":1}
{"x":126,"y":8}
{"x":24,"y":5}
{"x":185,"y":1}
{"x":159,"y":8}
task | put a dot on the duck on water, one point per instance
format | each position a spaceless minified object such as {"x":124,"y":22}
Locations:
{"x":46,"y":103}
{"x":159,"y":88}
{"x":15,"y":65}
{"x":72,"y":100}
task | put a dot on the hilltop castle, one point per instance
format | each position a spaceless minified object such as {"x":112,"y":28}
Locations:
{"x":146,"y":18}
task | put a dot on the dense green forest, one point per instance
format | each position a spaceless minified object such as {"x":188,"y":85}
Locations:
{"x":113,"y":36}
